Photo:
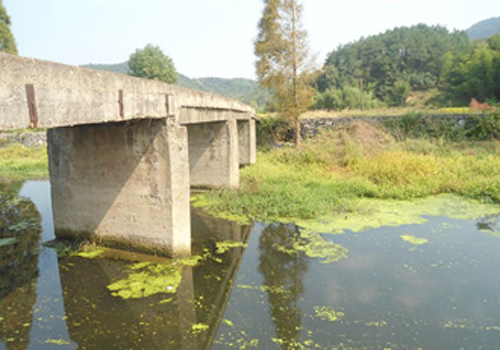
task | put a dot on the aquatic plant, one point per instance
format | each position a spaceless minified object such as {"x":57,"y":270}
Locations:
{"x":315,"y":246}
{"x":327,"y":313}
{"x":146,"y":279}
{"x":336,"y":173}
{"x":414,"y":240}
{"x":224,"y":246}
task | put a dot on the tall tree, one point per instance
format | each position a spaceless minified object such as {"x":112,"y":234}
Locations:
{"x":7,"y":41}
{"x":284,"y":62}
{"x":152,"y":63}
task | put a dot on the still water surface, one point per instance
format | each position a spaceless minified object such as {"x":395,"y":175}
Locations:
{"x":386,"y":293}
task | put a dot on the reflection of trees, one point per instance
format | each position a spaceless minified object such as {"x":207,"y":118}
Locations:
{"x":489,"y":224}
{"x":283,"y":277}
{"x":19,"y":250}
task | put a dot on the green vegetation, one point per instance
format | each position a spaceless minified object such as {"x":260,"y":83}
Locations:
{"x":21,"y":162}
{"x":423,"y":62}
{"x":328,"y":314}
{"x":146,"y":279}
{"x":7,"y":41}
{"x":314,"y":246}
{"x":339,"y":178}
{"x":224,"y":246}
{"x":152,"y":63}
{"x":414,"y":240}
{"x":19,"y":238}
{"x":387,"y":67}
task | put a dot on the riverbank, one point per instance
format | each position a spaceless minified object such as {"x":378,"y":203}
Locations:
{"x":331,"y":174}
{"x":20,"y":162}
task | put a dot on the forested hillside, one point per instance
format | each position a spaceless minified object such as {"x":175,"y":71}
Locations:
{"x":245,"y":90}
{"x":388,"y":66}
{"x":484,"y":29}
{"x":386,"y":69}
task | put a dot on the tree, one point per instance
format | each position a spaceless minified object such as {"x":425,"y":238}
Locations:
{"x":283,"y":59}
{"x":7,"y":41}
{"x":152,"y":63}
{"x":408,"y":54}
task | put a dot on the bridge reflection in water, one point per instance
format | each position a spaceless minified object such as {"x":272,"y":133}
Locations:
{"x":96,"y":319}
{"x":91,"y":318}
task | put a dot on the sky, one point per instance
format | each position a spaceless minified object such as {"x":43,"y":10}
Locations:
{"x":211,"y":38}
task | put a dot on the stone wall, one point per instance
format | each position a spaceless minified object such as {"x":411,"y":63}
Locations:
{"x":311,"y":127}
{"x":28,"y":139}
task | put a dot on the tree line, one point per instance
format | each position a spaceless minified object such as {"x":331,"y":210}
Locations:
{"x":385,"y":69}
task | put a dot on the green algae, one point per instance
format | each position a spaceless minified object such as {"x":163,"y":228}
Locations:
{"x":146,"y":279}
{"x":264,"y":288}
{"x":236,"y":338}
{"x":315,"y":246}
{"x":414,"y":240}
{"x":192,"y":261}
{"x":229,"y":323}
{"x":375,"y":213}
{"x":296,"y":345}
{"x":327,"y":313}
{"x":199,"y":328}
{"x":57,"y":342}
{"x":224,"y":246}
{"x":90,"y":252}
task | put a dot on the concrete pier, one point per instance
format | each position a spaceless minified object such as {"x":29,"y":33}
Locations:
{"x":122,"y":183}
{"x":213,"y":154}
{"x":247,"y":141}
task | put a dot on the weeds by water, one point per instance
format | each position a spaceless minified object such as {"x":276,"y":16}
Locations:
{"x":21,"y":162}
{"x":329,"y":174}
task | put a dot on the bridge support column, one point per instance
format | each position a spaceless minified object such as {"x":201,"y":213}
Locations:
{"x":214,"y":154}
{"x":247,"y":138}
{"x":122,"y":183}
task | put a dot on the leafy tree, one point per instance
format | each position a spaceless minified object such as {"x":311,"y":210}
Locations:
{"x":475,"y":74}
{"x":283,"y":59}
{"x":7,"y":41}
{"x":386,"y":63}
{"x":152,"y":63}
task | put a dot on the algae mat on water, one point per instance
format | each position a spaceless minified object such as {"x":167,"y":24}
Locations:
{"x":374,"y":213}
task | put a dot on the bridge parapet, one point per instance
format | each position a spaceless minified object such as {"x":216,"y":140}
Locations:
{"x":66,"y":96}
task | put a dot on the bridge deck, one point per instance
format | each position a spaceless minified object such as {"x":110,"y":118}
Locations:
{"x":49,"y":95}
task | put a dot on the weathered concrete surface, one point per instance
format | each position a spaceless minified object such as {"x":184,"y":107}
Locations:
{"x":67,"y":96}
{"x":214,"y":154}
{"x":125,"y":183}
{"x":247,"y":139}
{"x":118,"y":155}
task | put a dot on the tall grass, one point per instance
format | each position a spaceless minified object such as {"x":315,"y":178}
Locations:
{"x":21,"y":162}
{"x":330,"y":173}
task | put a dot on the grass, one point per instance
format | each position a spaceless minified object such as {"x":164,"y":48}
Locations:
{"x":331,"y":173}
{"x":21,"y":162}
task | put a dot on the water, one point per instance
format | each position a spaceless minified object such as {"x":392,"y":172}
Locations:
{"x":386,"y":293}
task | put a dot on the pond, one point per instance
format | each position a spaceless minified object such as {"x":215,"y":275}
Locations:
{"x":434,"y":284}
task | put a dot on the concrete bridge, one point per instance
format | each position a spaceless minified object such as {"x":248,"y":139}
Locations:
{"x":123,"y":152}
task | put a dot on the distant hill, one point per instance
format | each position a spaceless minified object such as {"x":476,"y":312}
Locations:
{"x":484,"y":29}
{"x":245,"y":90}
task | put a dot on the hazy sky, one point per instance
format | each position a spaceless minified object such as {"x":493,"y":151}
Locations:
{"x":211,"y":37}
